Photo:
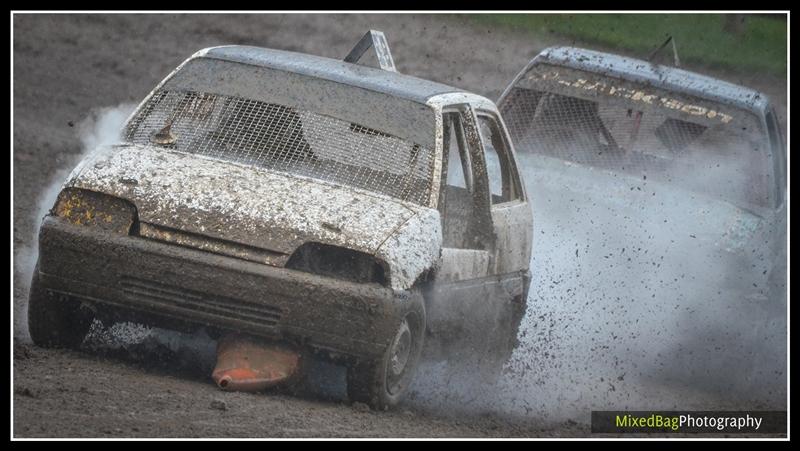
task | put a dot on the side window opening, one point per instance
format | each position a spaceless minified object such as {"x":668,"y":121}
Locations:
{"x":502,"y":182}
{"x":458,"y":215}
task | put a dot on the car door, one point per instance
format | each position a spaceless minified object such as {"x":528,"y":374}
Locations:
{"x":467,"y":233}
{"x":509,"y":273}
{"x":510,"y":209}
{"x":481,"y":268}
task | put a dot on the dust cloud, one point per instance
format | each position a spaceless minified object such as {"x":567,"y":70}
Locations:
{"x":102,"y":126}
{"x":644,"y":296}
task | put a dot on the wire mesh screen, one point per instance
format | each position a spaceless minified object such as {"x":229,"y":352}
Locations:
{"x":619,"y":135}
{"x":285,"y":139}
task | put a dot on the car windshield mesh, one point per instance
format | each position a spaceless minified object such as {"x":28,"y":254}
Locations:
{"x":597,"y":121}
{"x":285,"y":139}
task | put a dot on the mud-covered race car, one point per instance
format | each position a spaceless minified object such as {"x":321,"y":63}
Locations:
{"x":317,"y":205}
{"x":611,"y":124}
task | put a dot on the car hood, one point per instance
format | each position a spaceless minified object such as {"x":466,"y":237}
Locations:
{"x":258,"y":207}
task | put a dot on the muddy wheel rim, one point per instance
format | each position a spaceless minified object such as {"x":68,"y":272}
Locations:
{"x":399,"y":356}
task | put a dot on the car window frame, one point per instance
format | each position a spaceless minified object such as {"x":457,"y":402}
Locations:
{"x":515,"y":181}
{"x":479,"y":185}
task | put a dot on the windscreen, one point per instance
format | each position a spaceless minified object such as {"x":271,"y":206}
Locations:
{"x":625,"y":127}
{"x":286,"y":139}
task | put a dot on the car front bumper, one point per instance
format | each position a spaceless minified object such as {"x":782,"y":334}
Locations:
{"x":102,"y":268}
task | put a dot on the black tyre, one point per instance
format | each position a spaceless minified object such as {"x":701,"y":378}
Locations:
{"x":55,"y":321}
{"x":382,"y":383}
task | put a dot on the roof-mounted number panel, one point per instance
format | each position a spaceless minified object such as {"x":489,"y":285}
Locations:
{"x":377,"y":40}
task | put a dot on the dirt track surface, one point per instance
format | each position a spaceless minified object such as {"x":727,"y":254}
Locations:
{"x":70,"y":394}
{"x":67,"y":65}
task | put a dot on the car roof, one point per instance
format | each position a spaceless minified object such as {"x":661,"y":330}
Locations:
{"x":660,"y":76}
{"x":379,"y":80}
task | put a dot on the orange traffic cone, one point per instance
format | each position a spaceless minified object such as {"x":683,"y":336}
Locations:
{"x":244,"y":364}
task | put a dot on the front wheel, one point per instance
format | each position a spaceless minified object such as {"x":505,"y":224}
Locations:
{"x":381,"y":383}
{"x":55,"y":321}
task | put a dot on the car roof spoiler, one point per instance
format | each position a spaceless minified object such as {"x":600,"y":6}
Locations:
{"x":377,"y":40}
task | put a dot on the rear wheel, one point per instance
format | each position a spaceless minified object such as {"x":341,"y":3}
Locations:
{"x":55,"y":321}
{"x":381,"y":383}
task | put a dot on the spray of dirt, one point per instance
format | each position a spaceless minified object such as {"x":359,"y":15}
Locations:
{"x":643,"y":296}
{"x":102,"y":126}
